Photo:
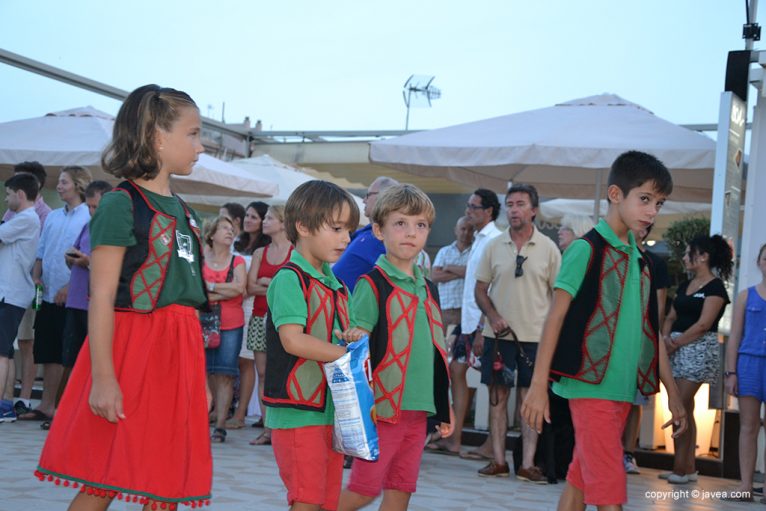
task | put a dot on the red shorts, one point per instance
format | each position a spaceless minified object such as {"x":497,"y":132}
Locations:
{"x":397,"y":468}
{"x":310,"y":469}
{"x":596,"y":467}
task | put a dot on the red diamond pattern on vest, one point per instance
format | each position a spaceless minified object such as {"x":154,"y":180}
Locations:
{"x":147,"y":281}
{"x":615,"y":262}
{"x":397,"y":356}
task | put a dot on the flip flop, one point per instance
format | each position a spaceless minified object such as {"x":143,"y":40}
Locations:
{"x":235,"y":424}
{"x":474,"y":455}
{"x":34,"y":415}
{"x":263,"y":439}
{"x":441,"y":449}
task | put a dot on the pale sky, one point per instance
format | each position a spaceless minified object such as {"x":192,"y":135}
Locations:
{"x":340,"y":65}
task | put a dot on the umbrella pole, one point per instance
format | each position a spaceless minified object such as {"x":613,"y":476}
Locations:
{"x":597,"y":200}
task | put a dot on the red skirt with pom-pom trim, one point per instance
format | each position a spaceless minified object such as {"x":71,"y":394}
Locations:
{"x":161,"y":450}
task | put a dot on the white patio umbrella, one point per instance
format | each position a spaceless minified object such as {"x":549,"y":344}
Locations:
{"x":78,"y":136}
{"x":564,"y":150}
{"x":285,"y":177}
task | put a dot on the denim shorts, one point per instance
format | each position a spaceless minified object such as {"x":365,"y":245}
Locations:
{"x":751,"y":376}
{"x":225,"y":358}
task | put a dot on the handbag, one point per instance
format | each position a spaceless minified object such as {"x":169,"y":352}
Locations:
{"x":211,"y":326}
{"x":500,"y":372}
{"x":211,"y":321}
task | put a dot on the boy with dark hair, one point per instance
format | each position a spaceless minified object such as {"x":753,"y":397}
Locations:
{"x":32,"y":167}
{"x":600,"y":339}
{"x":38,"y":171}
{"x":307,"y":305}
{"x":26,"y":332}
{"x":399,"y":308}
{"x":18,"y":245}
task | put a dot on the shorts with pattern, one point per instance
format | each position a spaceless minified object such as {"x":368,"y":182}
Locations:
{"x":256,"y":334}
{"x":698,"y":361}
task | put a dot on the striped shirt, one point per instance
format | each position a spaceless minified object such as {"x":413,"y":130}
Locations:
{"x":451,"y":293}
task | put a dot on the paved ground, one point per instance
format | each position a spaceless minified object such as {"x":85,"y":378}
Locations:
{"x":246,"y":478}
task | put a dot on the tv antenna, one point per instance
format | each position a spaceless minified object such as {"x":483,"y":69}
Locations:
{"x":418,"y":92}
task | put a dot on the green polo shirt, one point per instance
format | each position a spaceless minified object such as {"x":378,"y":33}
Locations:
{"x":112,"y":224}
{"x":288,"y":306}
{"x":419,"y":377}
{"x":619,"y":383}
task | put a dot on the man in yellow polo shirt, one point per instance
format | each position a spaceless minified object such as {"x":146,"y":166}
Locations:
{"x":514,"y":286}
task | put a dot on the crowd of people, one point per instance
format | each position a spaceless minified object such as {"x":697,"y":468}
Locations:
{"x":106,"y":293}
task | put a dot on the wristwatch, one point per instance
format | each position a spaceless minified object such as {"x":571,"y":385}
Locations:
{"x":211,"y":286}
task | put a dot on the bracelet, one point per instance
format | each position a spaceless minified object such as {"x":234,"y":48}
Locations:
{"x":726,"y":374}
{"x":211,"y":286}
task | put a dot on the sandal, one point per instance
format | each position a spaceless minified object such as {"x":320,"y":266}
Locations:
{"x":474,"y":455}
{"x":235,"y":424}
{"x":218,"y":436}
{"x":263,"y":439}
{"x":35,"y":415}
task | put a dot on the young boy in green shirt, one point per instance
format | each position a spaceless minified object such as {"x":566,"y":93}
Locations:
{"x":399,"y":309}
{"x":601,"y":361}
{"x":307,"y":304}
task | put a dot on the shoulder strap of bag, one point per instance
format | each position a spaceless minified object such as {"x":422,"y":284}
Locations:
{"x":230,"y":273}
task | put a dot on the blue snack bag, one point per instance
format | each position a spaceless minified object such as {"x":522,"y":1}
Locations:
{"x":349,"y":379}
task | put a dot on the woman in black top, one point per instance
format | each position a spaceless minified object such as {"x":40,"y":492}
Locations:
{"x":691,"y":339}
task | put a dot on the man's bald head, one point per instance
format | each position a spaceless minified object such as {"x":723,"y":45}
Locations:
{"x":381,"y":184}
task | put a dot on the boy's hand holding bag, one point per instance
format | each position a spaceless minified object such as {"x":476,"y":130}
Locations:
{"x":349,"y":379}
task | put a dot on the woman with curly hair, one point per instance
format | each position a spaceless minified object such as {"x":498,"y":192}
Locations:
{"x":691,"y":338}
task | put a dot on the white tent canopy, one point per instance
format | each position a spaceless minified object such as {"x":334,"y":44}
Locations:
{"x":78,"y":136}
{"x":564,"y":150}
{"x":284,"y":177}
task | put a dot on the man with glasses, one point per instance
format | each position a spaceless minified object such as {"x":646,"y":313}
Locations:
{"x":514,"y":287}
{"x":481,"y":211}
{"x":364,"y":249}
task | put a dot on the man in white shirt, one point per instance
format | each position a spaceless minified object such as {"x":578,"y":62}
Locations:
{"x":61,"y":229}
{"x":26,"y":333}
{"x":18,"y":245}
{"x":482,"y":210}
{"x":448,"y":272}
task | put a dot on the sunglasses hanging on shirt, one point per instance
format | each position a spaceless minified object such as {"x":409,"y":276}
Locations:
{"x":519,"y":269}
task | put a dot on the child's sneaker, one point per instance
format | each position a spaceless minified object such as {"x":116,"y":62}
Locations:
{"x":630,"y":464}
{"x":20,"y":407}
{"x":6,"y":411}
{"x":692,"y":478}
